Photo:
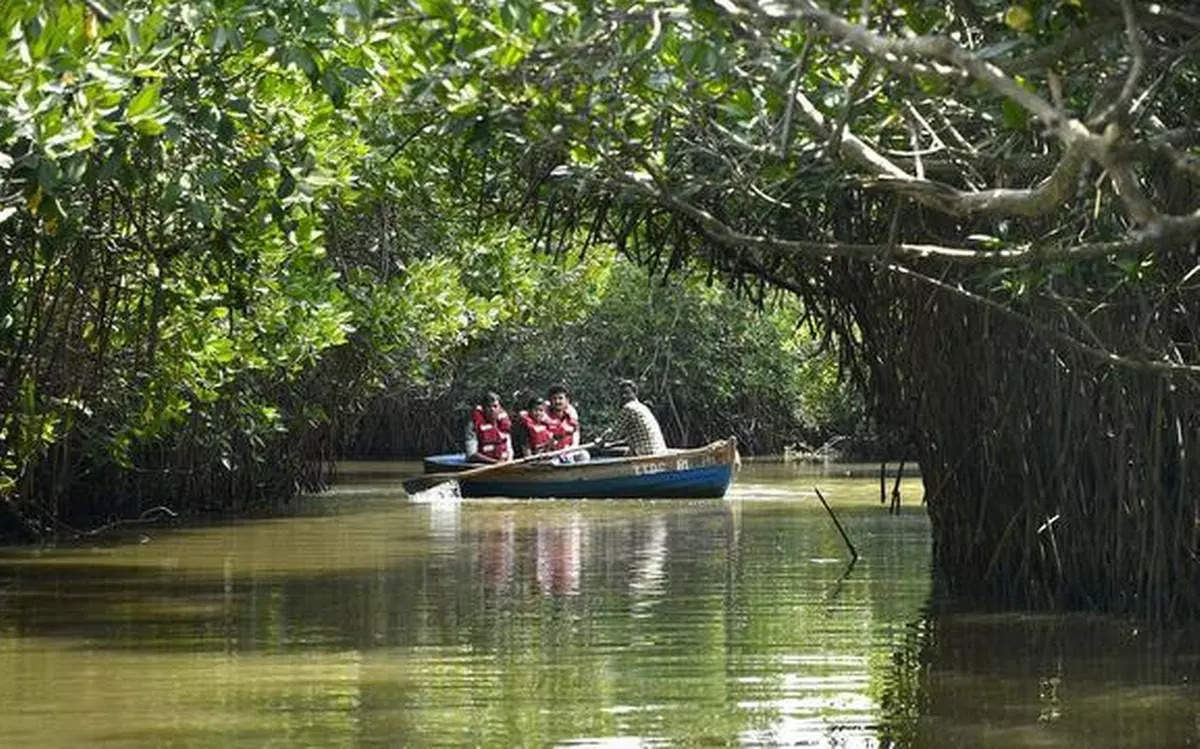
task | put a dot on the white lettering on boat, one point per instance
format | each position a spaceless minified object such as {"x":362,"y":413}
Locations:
{"x":679,"y":464}
{"x":641,"y":469}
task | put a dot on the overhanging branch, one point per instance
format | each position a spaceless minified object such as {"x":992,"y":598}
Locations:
{"x":654,"y":187}
{"x":1043,"y":199}
{"x":927,"y":50}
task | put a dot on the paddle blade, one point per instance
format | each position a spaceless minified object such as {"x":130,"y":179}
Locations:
{"x":421,"y":489}
{"x":442,"y":492}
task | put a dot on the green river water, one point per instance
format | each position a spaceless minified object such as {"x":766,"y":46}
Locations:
{"x":364,"y":619}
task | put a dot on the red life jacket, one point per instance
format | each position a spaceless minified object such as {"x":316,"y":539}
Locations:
{"x":563,"y":427}
{"x":537,"y":431}
{"x":493,"y":438}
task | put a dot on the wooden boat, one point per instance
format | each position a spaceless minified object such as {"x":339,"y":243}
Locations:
{"x":702,"y":472}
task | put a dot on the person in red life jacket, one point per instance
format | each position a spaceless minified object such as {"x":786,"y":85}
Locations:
{"x":533,"y":430}
{"x":487,"y":438}
{"x":562,"y":418}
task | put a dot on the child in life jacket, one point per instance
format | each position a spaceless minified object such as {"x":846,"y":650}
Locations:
{"x":488,"y":439}
{"x":534,"y":435}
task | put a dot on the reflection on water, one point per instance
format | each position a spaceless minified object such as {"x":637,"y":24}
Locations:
{"x":498,"y":552}
{"x":558,"y":552}
{"x":1020,"y":679}
{"x":369,"y":620}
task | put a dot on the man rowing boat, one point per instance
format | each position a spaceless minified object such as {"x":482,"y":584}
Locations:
{"x":635,"y":424}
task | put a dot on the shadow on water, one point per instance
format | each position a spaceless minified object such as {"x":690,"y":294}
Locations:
{"x":967,"y":677}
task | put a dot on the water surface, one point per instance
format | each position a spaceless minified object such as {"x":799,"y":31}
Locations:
{"x":364,"y":619}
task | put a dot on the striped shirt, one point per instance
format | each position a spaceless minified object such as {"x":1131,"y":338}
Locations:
{"x":636,"y":424}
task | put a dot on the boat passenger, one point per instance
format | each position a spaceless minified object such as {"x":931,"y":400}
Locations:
{"x":562,"y":418}
{"x":488,"y":438}
{"x":635,"y":424}
{"x":533,"y":434}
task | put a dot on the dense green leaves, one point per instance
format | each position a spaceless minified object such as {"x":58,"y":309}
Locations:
{"x":166,"y":176}
{"x":228,"y":228}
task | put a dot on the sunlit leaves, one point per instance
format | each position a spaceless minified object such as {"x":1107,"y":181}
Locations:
{"x":184,"y":155}
{"x":1018,"y":18}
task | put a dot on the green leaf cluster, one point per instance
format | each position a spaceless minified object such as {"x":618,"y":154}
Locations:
{"x":170,"y":307}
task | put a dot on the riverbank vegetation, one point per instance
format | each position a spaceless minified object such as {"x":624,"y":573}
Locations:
{"x":230,"y":229}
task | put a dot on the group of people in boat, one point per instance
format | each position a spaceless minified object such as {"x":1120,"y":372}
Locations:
{"x":551,"y":425}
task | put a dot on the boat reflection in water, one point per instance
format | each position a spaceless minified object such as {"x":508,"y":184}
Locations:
{"x":497,"y":551}
{"x":640,"y":576}
{"x":445,"y":526}
{"x":558,"y":553}
{"x":648,"y":578}
{"x":557,"y":550}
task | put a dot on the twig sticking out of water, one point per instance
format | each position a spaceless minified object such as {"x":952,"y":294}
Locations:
{"x":850,"y":546}
{"x":837,"y":587}
{"x":894,"y":509}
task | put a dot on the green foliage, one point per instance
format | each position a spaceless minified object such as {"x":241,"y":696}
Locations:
{"x":710,"y":363}
{"x":227,"y":228}
{"x":168,"y":300}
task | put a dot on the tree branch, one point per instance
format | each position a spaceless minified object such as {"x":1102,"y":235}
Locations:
{"x":926,"y":49}
{"x":1066,"y":46}
{"x":1137,"y":56}
{"x":1071,"y":132}
{"x":1036,"y":201}
{"x":853,"y":90}
{"x":653,"y":186}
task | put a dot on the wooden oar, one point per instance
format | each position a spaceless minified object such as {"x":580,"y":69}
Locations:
{"x":426,"y":481}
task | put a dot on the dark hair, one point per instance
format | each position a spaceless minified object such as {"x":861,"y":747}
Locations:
{"x":489,"y":397}
{"x":559,"y":388}
{"x":534,"y":402}
{"x":622,"y":384}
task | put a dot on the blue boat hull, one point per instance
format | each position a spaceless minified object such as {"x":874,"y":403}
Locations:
{"x":696,"y":483}
{"x":700,"y":473}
